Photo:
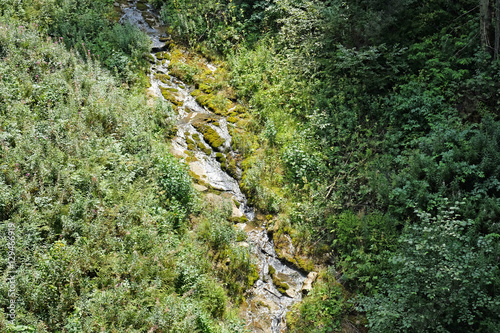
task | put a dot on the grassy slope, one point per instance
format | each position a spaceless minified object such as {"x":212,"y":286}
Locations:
{"x":99,"y":205}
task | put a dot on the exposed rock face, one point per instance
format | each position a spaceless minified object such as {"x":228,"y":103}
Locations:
{"x":308,"y":282}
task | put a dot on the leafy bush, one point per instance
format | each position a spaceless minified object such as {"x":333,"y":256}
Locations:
{"x":363,"y":245}
{"x":443,"y":278}
{"x":322,"y":311}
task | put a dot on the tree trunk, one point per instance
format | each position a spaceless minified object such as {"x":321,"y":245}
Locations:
{"x":497,"y":28}
{"x":485,"y":21}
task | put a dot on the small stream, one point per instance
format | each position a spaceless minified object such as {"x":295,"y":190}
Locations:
{"x":265,"y":307}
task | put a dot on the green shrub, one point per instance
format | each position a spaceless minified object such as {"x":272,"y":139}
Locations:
{"x":446,"y":279}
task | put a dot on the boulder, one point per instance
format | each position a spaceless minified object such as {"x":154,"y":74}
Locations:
{"x":308,"y":282}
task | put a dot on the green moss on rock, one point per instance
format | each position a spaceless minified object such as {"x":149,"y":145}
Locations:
{"x":280,"y":285}
{"x":237,"y":203}
{"x":141,"y":6}
{"x":171,"y":96}
{"x":196,"y":93}
{"x":163,"y":78}
{"x":253,"y":276}
{"x":162,"y":55}
{"x":210,"y":135}
{"x":215,"y":103}
{"x":305,"y":263}
{"x":240,"y":109}
{"x":205,"y":88}
{"x":150,"y":58}
{"x":203,"y":148}
{"x":220,"y":157}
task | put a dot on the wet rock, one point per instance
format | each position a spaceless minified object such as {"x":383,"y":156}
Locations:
{"x":211,"y":136}
{"x":162,"y":55}
{"x":198,"y":169}
{"x":284,"y":247}
{"x":261,"y":309}
{"x":164,"y":78}
{"x":200,"y":119}
{"x":290,"y":293}
{"x":308,"y":282}
{"x":200,"y":188}
{"x":141,"y":6}
{"x":172,"y":96}
{"x":236,"y":212}
{"x":279,"y":281}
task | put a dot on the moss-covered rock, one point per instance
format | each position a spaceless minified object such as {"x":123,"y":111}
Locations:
{"x":240,"y":109}
{"x":189,"y":141}
{"x":230,"y":167}
{"x":196,"y":93}
{"x":305,"y":263}
{"x":210,"y":135}
{"x":215,"y":103}
{"x":163,"y":78}
{"x":241,"y":219}
{"x":237,"y":203}
{"x":162,"y":55}
{"x":172,"y":96}
{"x":232,"y":119}
{"x":201,"y":119}
{"x":220,"y":157}
{"x":278,"y":280}
{"x":205,"y":88}
{"x":141,"y":6}
{"x":150,"y":58}
{"x":204,"y":148}
{"x":280,"y":285}
{"x":253,"y":276}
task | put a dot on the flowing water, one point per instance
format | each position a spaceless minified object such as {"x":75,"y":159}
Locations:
{"x":265,"y":306}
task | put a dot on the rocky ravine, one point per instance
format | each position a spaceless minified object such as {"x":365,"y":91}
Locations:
{"x":204,"y":142}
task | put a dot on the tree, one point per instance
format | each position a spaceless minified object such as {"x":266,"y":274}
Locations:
{"x":486,"y":32}
{"x":444,"y":278}
{"x":485,"y":24}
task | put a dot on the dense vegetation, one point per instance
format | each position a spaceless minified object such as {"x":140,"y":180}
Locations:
{"x":110,"y":235}
{"x":89,"y":27}
{"x":374,"y":141}
{"x":371,"y":120}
